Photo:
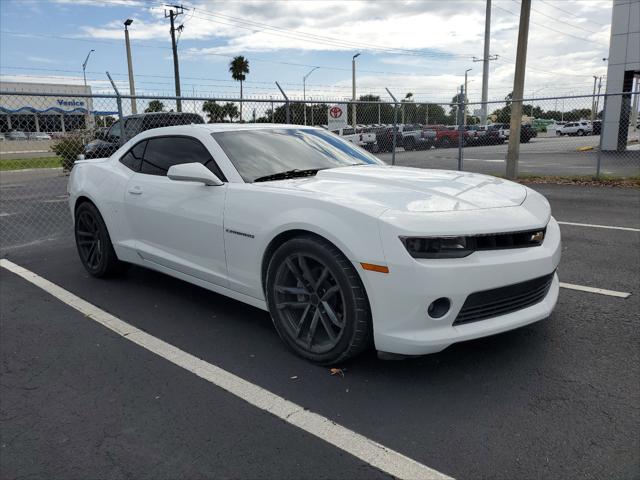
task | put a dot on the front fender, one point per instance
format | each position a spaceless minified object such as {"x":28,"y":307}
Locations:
{"x":253,"y":220}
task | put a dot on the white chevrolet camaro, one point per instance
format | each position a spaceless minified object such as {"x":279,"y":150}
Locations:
{"x":342,"y":250}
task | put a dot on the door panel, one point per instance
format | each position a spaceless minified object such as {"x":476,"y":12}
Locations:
{"x":178,"y":225}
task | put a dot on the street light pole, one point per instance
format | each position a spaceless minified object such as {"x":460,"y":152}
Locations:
{"x":465,"y":97}
{"x":304,"y":93}
{"x":353,"y":87}
{"x":593,"y":98}
{"x":132,"y":87}
{"x":84,"y":66}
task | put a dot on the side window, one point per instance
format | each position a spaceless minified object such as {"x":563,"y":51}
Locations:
{"x":133,"y":158}
{"x":164,"y":152}
{"x":114,"y":130}
{"x":132,"y":127}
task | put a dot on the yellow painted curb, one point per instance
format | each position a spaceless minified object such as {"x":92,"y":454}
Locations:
{"x":584,"y":149}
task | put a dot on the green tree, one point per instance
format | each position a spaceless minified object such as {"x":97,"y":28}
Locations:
{"x":239,"y":68}
{"x":230,"y":110}
{"x":214,"y":111}
{"x":154,"y":106}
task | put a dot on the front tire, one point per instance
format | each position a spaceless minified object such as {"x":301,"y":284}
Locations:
{"x":317,"y":301}
{"x":94,"y":244}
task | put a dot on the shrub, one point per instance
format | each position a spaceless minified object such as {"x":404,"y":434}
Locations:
{"x":68,"y":149}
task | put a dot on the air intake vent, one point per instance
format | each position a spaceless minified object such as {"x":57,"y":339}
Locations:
{"x":503,"y":300}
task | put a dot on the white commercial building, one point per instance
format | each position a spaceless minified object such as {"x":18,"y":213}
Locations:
{"x":66,"y":109}
{"x":624,"y":66}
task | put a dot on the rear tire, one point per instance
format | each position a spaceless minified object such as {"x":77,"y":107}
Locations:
{"x":94,"y":244}
{"x":317,"y":301}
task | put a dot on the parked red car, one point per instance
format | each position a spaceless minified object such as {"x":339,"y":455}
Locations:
{"x":446,"y":136}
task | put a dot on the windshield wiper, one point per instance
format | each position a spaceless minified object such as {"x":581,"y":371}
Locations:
{"x":288,"y":174}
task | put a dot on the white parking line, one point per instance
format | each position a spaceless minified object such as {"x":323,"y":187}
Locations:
{"x":373,"y":453}
{"x":610,"y":227}
{"x":601,"y":291}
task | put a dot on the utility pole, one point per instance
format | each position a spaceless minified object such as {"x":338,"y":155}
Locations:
{"x":513,"y":152}
{"x":174,"y":11}
{"x":132,"y":87}
{"x":465,"y":98}
{"x":459,"y":119}
{"x":304,"y":93}
{"x":598,"y":97}
{"x":353,"y":88}
{"x":486,"y":58}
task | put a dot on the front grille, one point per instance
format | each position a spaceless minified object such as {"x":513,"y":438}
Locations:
{"x":503,"y":300}
{"x":501,"y":241}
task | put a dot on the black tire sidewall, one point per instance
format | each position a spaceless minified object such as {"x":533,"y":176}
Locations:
{"x":354,"y":313}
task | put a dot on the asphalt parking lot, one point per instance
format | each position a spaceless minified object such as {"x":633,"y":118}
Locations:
{"x":556,"y":399}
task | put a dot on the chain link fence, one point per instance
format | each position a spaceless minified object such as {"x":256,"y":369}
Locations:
{"x":41,"y":135}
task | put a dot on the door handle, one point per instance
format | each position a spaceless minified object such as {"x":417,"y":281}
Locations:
{"x":135,"y":191}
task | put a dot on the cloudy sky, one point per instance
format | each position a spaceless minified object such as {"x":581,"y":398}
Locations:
{"x":421,"y":46}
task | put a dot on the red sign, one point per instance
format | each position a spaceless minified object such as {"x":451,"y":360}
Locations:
{"x":335,"y":112}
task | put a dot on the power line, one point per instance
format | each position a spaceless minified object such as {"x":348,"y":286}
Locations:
{"x":558,"y":20}
{"x":572,"y":14}
{"x":299,"y":35}
{"x":552,"y":29}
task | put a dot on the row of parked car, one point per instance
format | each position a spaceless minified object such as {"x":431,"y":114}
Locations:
{"x":375,"y":138}
{"x":20,"y":135}
{"x":379,"y":138}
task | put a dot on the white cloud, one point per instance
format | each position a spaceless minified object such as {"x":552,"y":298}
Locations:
{"x":567,"y":40}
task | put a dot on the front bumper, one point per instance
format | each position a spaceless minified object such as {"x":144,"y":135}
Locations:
{"x":399,"y":300}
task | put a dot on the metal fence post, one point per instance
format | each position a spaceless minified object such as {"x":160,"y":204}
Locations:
{"x":288,"y":115}
{"x":121,"y":140}
{"x":460,"y":115}
{"x":395,"y":127}
{"x":602,"y":124}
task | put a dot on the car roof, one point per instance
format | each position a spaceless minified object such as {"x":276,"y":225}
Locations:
{"x":221,"y":127}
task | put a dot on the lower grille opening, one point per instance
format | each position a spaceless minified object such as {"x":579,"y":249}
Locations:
{"x":503,"y":300}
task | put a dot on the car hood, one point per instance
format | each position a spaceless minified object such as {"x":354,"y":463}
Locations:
{"x":408,"y":189}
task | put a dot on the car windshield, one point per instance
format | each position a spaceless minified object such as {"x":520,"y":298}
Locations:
{"x":259,"y":153}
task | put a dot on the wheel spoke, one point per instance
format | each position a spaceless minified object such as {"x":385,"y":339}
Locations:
{"x":86,"y":242}
{"x":330,"y":293}
{"x":296,"y":271}
{"x":313,"y":327}
{"x":303,"y":321}
{"x":282,"y":305}
{"x":90,"y":254}
{"x":331,"y":314}
{"x":322,"y":278}
{"x":326,"y":324}
{"x":291,"y":290}
{"x":83,"y":233}
{"x":306,"y":273}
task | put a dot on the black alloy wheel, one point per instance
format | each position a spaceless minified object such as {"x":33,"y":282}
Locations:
{"x":317,"y":301}
{"x":93,"y":242}
{"x":90,"y":245}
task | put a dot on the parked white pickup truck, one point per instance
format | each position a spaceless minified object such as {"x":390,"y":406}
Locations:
{"x":360,"y":136}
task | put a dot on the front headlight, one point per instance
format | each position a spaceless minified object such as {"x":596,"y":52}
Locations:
{"x":458,"y":247}
{"x":437,"y":247}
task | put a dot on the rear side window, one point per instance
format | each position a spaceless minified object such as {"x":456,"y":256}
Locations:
{"x":133,"y":158}
{"x":164,"y":152}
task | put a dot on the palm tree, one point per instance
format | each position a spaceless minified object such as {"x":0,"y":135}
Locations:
{"x":239,"y":67}
{"x":407,"y":98}
{"x":154,"y":106}
{"x":230,"y":110}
